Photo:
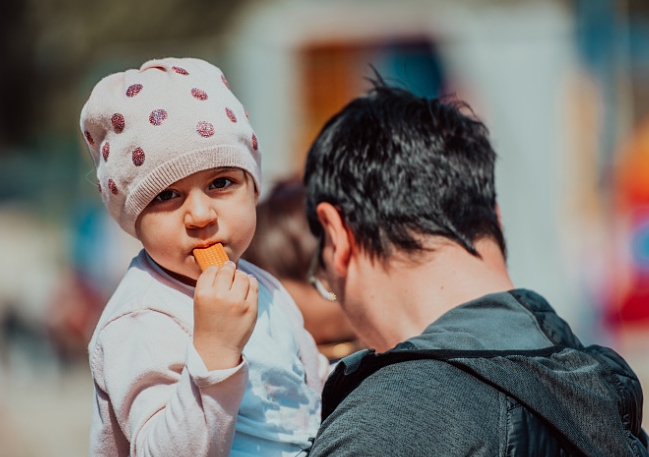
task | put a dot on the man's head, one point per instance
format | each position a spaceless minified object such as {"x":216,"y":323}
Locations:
{"x":397,"y":166}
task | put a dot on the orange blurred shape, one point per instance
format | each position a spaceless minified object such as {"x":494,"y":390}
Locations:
{"x":632,"y":180}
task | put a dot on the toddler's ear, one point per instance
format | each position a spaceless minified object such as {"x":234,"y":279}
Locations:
{"x":251,"y":181}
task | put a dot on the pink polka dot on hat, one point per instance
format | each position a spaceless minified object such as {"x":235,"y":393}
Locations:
{"x":150,"y":127}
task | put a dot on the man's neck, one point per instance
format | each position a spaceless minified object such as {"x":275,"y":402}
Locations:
{"x":398,"y":301}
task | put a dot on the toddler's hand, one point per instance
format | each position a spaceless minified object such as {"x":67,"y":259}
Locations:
{"x":225,"y":313}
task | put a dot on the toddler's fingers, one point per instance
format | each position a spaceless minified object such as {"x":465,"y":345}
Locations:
{"x":240,"y":285}
{"x":225,"y":276}
{"x":207,"y":277}
{"x":253,"y":291}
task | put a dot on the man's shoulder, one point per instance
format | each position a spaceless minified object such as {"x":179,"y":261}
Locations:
{"x":414,"y":379}
{"x":423,"y":403}
{"x":405,"y":369}
{"x":402,"y":365}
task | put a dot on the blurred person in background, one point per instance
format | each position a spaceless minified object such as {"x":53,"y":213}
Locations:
{"x":284,"y":246}
{"x":401,"y":193}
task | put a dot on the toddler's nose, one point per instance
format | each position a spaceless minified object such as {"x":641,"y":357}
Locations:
{"x":199,"y":211}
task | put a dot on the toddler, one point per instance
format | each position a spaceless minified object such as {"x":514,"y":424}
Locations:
{"x":185,"y":362}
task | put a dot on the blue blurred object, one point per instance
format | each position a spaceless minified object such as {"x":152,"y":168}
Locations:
{"x":415,"y":64}
{"x":640,"y":245}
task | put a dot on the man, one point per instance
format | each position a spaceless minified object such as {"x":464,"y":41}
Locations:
{"x":400,"y":191}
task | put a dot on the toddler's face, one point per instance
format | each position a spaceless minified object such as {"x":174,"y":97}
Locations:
{"x":208,"y":207}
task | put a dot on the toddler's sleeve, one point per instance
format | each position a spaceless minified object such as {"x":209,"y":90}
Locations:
{"x":158,"y":393}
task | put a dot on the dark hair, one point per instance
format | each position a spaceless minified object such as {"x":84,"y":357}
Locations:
{"x":283,"y":244}
{"x":397,"y":166}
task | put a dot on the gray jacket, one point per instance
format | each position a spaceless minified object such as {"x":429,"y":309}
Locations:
{"x":499,"y":376}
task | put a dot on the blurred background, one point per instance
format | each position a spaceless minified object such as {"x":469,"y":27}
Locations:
{"x":562,"y":85}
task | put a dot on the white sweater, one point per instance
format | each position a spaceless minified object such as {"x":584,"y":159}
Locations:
{"x":155,"y":397}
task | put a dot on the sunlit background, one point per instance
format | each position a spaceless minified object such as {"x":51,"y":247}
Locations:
{"x":562,"y":85}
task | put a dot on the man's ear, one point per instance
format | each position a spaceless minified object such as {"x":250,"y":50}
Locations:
{"x":336,"y":236}
{"x":499,"y":216}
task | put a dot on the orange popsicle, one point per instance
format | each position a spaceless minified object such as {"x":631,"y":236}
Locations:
{"x":213,"y":255}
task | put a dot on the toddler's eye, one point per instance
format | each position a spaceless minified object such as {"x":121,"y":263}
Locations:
{"x":221,"y":183}
{"x":166,"y":195}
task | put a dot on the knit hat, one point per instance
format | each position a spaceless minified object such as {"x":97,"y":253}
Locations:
{"x":149,"y":128}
